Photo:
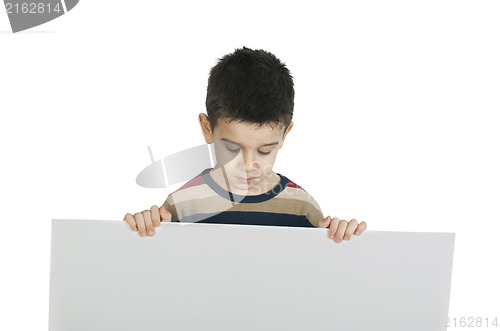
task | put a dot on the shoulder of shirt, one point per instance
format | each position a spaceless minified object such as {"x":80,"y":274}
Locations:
{"x":196,"y":181}
{"x":293,"y":184}
{"x":297,"y":192}
{"x":195,"y":187}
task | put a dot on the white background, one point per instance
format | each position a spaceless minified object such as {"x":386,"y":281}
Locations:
{"x":396,"y":121}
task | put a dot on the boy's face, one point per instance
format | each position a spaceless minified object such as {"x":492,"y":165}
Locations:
{"x":245,"y":155}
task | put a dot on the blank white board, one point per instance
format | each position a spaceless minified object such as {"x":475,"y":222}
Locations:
{"x":220,"y":277}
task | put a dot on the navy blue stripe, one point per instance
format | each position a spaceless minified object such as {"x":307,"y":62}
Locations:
{"x":250,"y":218}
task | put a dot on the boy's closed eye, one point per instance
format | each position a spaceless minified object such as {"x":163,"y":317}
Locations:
{"x":237,"y":150}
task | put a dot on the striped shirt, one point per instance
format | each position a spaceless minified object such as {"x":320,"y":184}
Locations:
{"x":202,"y":200}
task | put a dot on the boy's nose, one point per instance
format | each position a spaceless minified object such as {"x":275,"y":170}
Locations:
{"x":249,"y":161}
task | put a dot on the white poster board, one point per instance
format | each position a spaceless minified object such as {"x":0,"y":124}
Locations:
{"x":219,"y":277}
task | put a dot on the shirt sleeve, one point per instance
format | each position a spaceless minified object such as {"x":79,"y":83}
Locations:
{"x":170,"y":207}
{"x":313,"y":211}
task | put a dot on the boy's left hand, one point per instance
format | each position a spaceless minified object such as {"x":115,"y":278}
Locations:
{"x":340,"y":229}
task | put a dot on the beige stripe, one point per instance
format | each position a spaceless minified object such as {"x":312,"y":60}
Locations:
{"x":202,"y":191}
{"x":298,"y":194}
{"x":215,"y":204}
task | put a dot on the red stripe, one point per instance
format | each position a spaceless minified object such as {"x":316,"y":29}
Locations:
{"x":292,"y":184}
{"x":198,"y":180}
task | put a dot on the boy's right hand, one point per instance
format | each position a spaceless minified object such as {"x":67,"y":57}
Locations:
{"x":147,"y":220}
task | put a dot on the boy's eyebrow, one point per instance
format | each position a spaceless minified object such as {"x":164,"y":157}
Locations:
{"x":274,"y":143}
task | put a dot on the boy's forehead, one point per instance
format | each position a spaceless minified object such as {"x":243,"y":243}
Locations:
{"x":244,"y":132}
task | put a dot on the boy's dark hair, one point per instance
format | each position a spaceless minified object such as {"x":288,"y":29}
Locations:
{"x":251,"y":86}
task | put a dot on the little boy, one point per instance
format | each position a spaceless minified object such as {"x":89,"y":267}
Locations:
{"x":250,"y":100}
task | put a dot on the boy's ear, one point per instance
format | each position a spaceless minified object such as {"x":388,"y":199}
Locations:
{"x":286,"y":132}
{"x":205,"y":128}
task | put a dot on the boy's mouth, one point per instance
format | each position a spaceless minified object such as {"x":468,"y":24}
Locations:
{"x":246,"y":180}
